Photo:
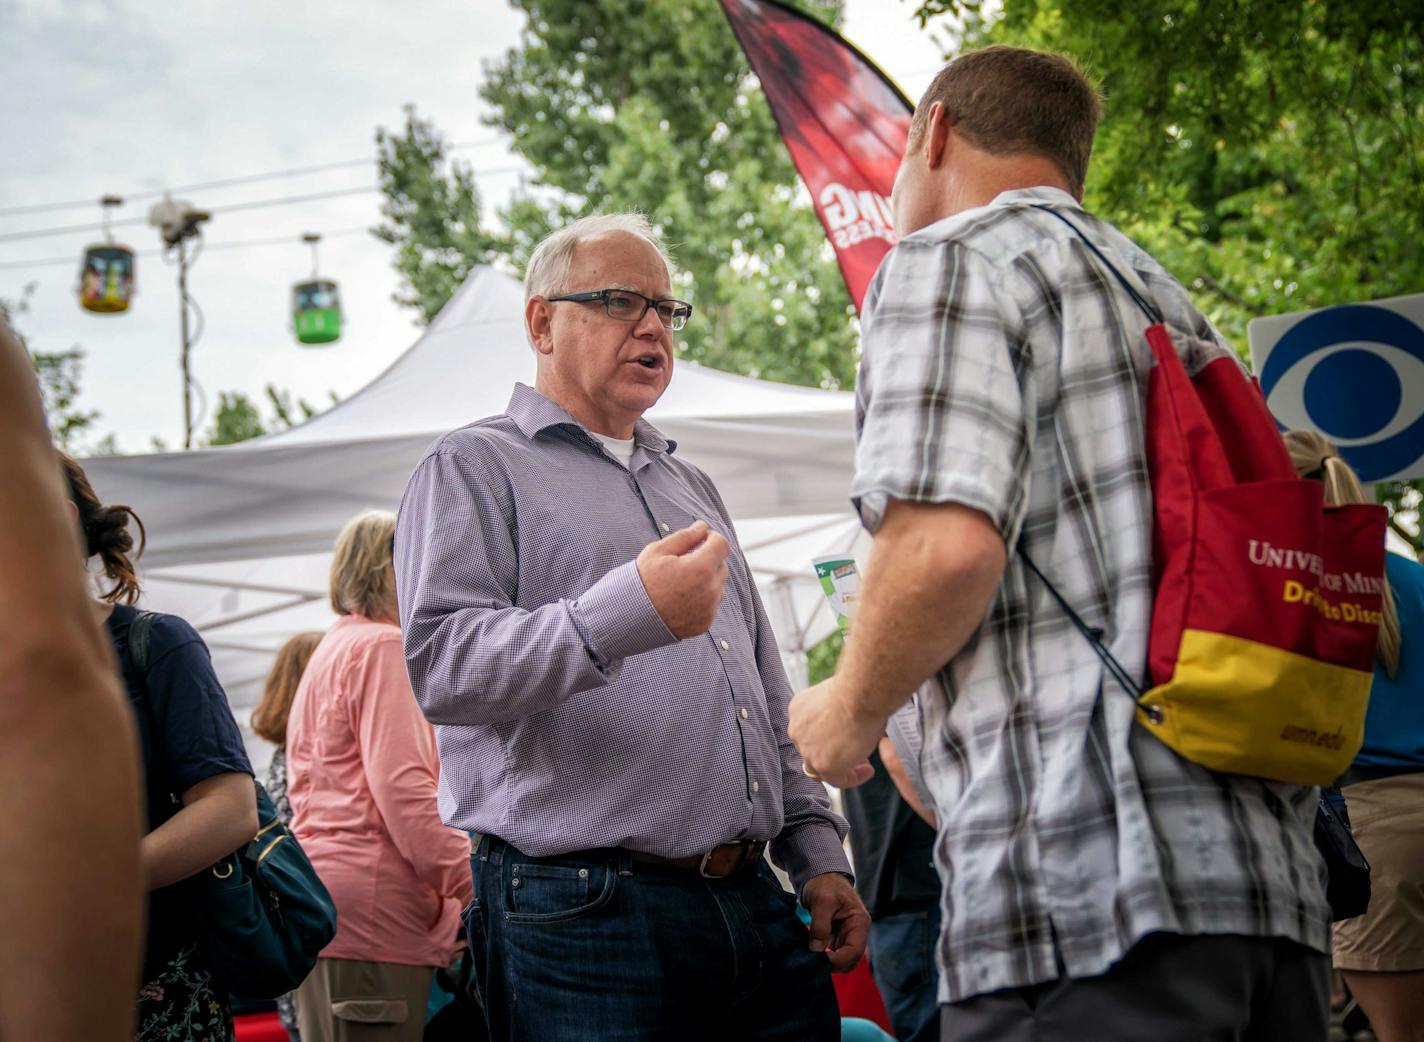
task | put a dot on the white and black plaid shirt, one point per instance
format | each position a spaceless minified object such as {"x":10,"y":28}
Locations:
{"x":1005,"y":369}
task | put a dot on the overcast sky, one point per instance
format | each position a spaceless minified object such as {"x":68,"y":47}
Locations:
{"x":127,"y":97}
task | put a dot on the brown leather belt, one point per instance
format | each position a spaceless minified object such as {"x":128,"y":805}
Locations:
{"x":717,"y":863}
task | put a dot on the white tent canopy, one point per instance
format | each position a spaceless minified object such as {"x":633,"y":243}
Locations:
{"x":239,"y":537}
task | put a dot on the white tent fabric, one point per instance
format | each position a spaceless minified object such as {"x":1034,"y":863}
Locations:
{"x":240,"y":536}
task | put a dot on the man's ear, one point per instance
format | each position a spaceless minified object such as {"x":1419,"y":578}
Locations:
{"x":538,"y":318}
{"x":939,"y":128}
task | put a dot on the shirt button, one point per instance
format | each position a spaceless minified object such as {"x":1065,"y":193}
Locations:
{"x":664,"y":526}
{"x":756,"y":786}
{"x":726,"y":646}
{"x":744,"y":714}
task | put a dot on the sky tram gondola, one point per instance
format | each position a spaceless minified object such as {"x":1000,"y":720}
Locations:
{"x":106,"y":275}
{"x":316,"y":305}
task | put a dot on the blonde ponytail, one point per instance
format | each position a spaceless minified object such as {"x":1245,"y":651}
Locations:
{"x":1315,"y":457}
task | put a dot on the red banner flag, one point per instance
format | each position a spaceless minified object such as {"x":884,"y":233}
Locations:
{"x":843,"y":120}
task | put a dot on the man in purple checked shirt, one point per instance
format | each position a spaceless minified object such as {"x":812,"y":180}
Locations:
{"x":585,"y":635}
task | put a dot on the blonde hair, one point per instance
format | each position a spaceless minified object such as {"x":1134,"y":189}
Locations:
{"x":269,"y":719}
{"x":1315,"y":457}
{"x":361,"y":578}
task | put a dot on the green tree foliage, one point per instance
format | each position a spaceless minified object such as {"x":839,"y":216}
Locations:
{"x":649,"y":106}
{"x":238,"y":417}
{"x":432,"y":215}
{"x":60,"y":375}
{"x":1269,"y":152}
{"x":821,"y":660}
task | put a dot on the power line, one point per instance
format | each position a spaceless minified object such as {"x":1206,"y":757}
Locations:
{"x":227,"y":182}
{"x":255,"y":204}
{"x":236,"y":244}
{"x":41,"y":233}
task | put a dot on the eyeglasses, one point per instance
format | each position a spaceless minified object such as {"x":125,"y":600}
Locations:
{"x":628,"y":306}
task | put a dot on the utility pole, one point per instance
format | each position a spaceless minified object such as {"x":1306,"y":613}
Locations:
{"x":187,"y":344}
{"x":177,"y":222}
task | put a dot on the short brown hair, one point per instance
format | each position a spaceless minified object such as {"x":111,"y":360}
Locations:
{"x":106,"y":533}
{"x":361,"y":567}
{"x":1011,"y":100}
{"x":269,"y":719}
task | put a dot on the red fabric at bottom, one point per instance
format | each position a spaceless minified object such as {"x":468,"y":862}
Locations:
{"x":259,"y":1027}
{"x":859,"y":997}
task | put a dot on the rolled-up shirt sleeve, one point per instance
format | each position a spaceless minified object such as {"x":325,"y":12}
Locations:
{"x":944,"y":400}
{"x":473,"y":656}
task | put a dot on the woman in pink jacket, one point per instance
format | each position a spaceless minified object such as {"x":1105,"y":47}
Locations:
{"x":362,"y":768}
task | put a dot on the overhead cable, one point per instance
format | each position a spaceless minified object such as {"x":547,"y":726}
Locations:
{"x":226,"y":182}
{"x":255,"y":204}
{"x":236,"y":244}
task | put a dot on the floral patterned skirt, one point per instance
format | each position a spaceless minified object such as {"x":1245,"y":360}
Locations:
{"x":183,"y":1004}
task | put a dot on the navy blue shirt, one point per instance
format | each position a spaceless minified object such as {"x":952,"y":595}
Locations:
{"x":187,"y":734}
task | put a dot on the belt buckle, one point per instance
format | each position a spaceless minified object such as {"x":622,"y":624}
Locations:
{"x":746,"y":852}
{"x":702,"y":867}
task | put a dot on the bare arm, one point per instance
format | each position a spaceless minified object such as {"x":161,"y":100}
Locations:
{"x":933,"y":570}
{"x":70,"y":896}
{"x":218,"y":816}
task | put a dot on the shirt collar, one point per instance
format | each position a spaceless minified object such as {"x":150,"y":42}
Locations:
{"x":1037,"y":194}
{"x":533,"y":414}
{"x":1040,"y":194}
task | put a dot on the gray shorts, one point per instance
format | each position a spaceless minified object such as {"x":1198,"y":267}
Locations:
{"x":1167,"y":988}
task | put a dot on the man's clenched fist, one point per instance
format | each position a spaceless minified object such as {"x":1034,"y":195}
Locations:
{"x":684,"y":575}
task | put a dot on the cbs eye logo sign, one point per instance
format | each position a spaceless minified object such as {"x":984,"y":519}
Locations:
{"x":1355,"y":373}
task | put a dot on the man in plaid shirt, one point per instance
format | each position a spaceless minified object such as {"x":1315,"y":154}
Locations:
{"x":1093,"y":880}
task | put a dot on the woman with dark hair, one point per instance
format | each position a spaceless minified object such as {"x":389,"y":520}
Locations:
{"x":201,"y":804}
{"x":269,"y":722}
{"x":1381,"y":953}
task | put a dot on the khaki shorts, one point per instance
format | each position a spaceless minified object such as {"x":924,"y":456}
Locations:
{"x":1388,"y":820}
{"x":344,"y":1000}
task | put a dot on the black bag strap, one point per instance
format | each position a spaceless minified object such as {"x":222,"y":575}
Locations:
{"x":1148,"y":308}
{"x":1094,"y":634}
{"x":139,"y":630}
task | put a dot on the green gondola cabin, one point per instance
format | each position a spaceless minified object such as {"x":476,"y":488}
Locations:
{"x":316,"y":311}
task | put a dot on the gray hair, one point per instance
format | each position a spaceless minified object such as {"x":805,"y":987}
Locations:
{"x":549,"y":265}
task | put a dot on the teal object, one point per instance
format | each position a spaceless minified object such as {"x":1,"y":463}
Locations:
{"x":265,"y":913}
{"x":1394,"y":721}
{"x":856,"y":1029}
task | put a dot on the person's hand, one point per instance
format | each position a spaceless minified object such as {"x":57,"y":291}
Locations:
{"x":835,"y":744}
{"x":685,"y":575}
{"x":840,"y":925}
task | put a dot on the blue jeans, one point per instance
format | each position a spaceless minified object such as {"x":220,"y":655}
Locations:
{"x":602,"y":948}
{"x":902,"y":961}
